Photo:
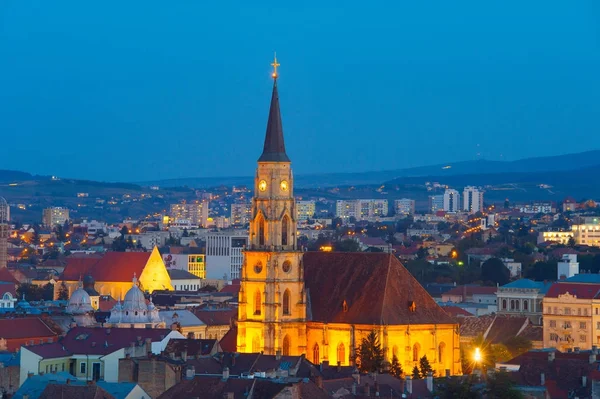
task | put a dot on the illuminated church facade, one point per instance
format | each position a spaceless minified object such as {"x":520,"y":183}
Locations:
{"x":322,"y":304}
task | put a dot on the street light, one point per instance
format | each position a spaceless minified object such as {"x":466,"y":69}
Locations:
{"x":477,"y":355}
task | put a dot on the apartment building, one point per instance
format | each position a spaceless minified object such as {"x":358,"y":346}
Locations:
{"x":404,"y":207}
{"x":196,"y":212}
{"x":305,"y":210}
{"x":472,"y":199}
{"x":240,"y":214}
{"x":361,"y":209}
{"x":55,"y":215}
{"x":224,"y":253}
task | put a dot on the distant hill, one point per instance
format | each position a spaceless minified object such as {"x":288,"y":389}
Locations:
{"x":439,"y":171}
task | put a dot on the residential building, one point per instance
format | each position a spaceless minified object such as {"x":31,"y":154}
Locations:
{"x":240,"y":214}
{"x":4,"y":232}
{"x":182,"y":280}
{"x":436,"y":203}
{"x":361,"y":209}
{"x":569,"y":205}
{"x":191,"y":260}
{"x":451,"y":200}
{"x":472,"y":199}
{"x":523,"y":297}
{"x":321,"y":304}
{"x":512,"y":266}
{"x":196,"y":212}
{"x":224,"y":254}
{"x":186,"y":322}
{"x":558,"y":237}
{"x":93,"y":353}
{"x":567,"y":267}
{"x":537,"y":207}
{"x":8,"y":296}
{"x":586,"y":234}
{"x":572,"y":313}
{"x":404,"y":207}
{"x":305,"y":210}
{"x":30,"y":330}
{"x":55,"y":215}
{"x":471,"y":293}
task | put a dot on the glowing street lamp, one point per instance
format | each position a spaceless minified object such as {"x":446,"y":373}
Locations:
{"x":477,"y":355}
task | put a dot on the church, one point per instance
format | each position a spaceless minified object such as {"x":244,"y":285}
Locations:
{"x":322,"y":304}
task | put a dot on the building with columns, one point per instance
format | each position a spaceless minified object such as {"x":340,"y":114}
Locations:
{"x":322,"y":304}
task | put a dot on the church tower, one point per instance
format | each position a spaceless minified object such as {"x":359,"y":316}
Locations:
{"x":272,"y":299}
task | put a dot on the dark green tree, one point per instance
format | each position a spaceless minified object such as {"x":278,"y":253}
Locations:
{"x":347,"y":246}
{"x":48,"y":292}
{"x":518,"y":345}
{"x":500,"y":386}
{"x":456,"y":388}
{"x":124,"y":231}
{"x":416,"y":374}
{"x":425,"y":367}
{"x":396,"y":368}
{"x":31,"y":292}
{"x":63,"y":292}
{"x":493,"y":270}
{"x":185,"y":232}
{"x":369,"y":355}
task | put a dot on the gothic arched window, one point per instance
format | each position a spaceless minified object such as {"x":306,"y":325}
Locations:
{"x":285,"y":227}
{"x":416,"y":349}
{"x":341,"y":353}
{"x":286,"y":345}
{"x":261,"y":230}
{"x":257,"y":303}
{"x":316,"y":357}
{"x":441,"y":349}
{"x":286,"y":303}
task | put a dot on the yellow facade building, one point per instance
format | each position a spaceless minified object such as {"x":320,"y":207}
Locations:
{"x":322,"y":304}
{"x":112,"y":272}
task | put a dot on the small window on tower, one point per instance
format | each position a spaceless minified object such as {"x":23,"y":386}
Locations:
{"x":412,"y":306}
{"x":345,"y":306}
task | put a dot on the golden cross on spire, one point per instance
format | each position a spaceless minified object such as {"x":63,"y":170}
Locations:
{"x":275,"y":64}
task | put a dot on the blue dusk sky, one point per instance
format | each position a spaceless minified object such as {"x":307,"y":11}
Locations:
{"x":144,"y":90}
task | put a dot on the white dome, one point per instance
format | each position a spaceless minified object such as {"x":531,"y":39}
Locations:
{"x":134,"y":300}
{"x":80,"y":302}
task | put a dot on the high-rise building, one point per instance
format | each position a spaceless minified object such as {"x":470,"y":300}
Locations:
{"x":240,"y":214}
{"x":196,"y":212}
{"x":4,"y":231}
{"x":305,"y":210}
{"x":404,"y":206}
{"x":224,"y":253}
{"x":472,"y":199}
{"x":451,"y":200}
{"x":361,"y":209}
{"x":55,"y":215}
{"x":436,"y":203}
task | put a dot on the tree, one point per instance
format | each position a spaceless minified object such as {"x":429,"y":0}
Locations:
{"x":494,"y":270}
{"x":48,"y":292}
{"x":500,"y":386}
{"x":425,"y":367}
{"x":347,"y":246}
{"x":416,"y":374}
{"x":63,"y":292}
{"x":31,"y":292}
{"x":571,"y":242}
{"x":124,"y":231}
{"x":518,"y":345}
{"x":455,"y":388}
{"x":396,"y":368}
{"x":369,"y":355}
{"x":185,"y":232}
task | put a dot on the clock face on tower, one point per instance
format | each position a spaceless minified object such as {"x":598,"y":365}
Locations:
{"x":262,"y":185}
{"x":284,"y":185}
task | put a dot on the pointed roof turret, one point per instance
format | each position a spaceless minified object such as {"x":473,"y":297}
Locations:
{"x":274,"y":148}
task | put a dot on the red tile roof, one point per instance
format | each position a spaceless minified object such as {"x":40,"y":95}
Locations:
{"x":229,"y":341}
{"x":50,"y":351}
{"x":120,"y":266}
{"x":113,"y":266}
{"x":580,"y":290}
{"x":376,"y":287}
{"x":455,"y":311}
{"x":216,"y":317}
{"x":64,"y":391}
{"x":6,"y":276}
{"x":8,"y":287}
{"x":232,"y":288}
{"x":78,"y":267}
{"x":471,"y":290}
{"x":102,"y":341}
{"x":21,"y":331}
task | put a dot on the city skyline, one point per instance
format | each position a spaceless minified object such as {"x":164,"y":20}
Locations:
{"x":433,"y":88}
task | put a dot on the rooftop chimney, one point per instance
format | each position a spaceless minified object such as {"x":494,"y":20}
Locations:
{"x":376,"y":388}
{"x":542,"y":379}
{"x":430,"y":381}
{"x":367,"y":389}
{"x":278,"y":355}
{"x":354,"y":388}
{"x":592,"y":358}
{"x":339,"y":366}
{"x":584,"y":381}
{"x":447,"y":373}
{"x":190,"y":372}
{"x":225,"y":373}
{"x":551,"y":356}
{"x":408,"y":386}
{"x":184,"y":356}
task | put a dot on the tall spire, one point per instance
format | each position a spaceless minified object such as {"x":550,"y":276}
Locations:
{"x":274,"y":149}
